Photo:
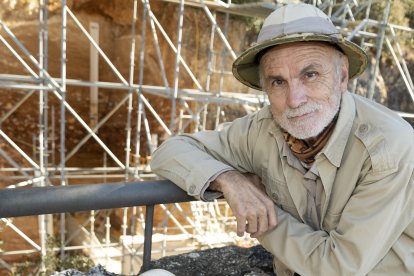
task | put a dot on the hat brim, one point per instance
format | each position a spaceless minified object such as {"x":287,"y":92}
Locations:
{"x":246,"y":66}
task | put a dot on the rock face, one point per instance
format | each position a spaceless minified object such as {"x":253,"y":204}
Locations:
{"x":229,"y":260}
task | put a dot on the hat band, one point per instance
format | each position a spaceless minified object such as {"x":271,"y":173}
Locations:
{"x":303,"y":25}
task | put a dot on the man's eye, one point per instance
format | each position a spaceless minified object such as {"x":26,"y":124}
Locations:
{"x":311,"y":75}
{"x":277,"y":82}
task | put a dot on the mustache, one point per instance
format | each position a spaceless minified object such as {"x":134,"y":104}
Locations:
{"x":302,"y":110}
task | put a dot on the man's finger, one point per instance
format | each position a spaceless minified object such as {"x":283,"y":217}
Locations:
{"x":263,"y":222}
{"x":241,"y":225}
{"x":272,"y":216}
{"x":251,"y":226}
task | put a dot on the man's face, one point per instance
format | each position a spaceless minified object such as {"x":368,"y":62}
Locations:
{"x":304,"y":82}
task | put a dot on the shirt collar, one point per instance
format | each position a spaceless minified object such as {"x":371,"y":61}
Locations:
{"x":334,"y":149}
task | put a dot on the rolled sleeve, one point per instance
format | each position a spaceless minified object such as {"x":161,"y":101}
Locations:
{"x":193,"y":161}
{"x":200,"y":178}
{"x":181,"y":160}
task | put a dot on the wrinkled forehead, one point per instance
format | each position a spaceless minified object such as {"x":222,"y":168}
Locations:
{"x":299,"y":57}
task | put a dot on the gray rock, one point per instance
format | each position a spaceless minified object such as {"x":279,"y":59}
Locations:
{"x":224,"y":261}
{"x":229,"y":260}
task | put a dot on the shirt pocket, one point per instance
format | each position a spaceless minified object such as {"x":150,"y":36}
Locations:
{"x":278,"y":191}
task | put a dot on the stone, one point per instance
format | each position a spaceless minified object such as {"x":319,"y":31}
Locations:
{"x":228,"y":260}
{"x":95,"y":271}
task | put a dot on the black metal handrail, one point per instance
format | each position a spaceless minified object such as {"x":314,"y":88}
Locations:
{"x":73,"y":198}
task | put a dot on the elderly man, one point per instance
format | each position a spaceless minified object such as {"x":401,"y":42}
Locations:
{"x":322,"y":177}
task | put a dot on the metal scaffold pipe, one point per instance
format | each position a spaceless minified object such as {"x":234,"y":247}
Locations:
{"x":171,"y":44}
{"x":222,"y":36}
{"x":140,"y":106}
{"x":130,"y":91}
{"x":63,"y":123}
{"x":44,"y":222}
{"x":380,"y":41}
{"x":177,"y":65}
{"x":18,"y":149}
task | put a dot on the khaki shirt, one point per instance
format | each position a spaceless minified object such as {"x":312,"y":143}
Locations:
{"x":366,"y":170}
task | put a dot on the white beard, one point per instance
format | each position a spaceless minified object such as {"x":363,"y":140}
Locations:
{"x":309,"y":126}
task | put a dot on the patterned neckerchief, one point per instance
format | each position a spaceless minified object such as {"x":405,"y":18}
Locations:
{"x":306,"y":151}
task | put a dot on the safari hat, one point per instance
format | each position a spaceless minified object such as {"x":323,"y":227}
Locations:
{"x":293,"y":23}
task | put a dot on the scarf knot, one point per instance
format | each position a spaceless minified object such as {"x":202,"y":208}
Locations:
{"x":306,"y":151}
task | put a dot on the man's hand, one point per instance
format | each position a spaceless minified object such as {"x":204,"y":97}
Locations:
{"x":246,"y":196}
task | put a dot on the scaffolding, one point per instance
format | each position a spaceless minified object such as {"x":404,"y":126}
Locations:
{"x":198,"y":225}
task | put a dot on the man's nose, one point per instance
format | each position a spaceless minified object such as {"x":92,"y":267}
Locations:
{"x":296,"y":95}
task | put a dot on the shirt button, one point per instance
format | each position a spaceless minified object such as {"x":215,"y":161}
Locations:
{"x":363,"y":129}
{"x":275,"y":196}
{"x":192,"y":188}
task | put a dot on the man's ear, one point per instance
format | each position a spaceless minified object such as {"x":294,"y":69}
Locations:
{"x":344,"y":77}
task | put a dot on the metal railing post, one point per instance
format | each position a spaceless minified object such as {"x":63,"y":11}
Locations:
{"x":149,"y":222}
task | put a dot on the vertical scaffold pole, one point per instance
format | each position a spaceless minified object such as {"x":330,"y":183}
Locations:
{"x":63,"y":122}
{"x":130,"y":91}
{"x":222,"y":62}
{"x":331,"y":5}
{"x":210,"y":67}
{"x":149,"y":222}
{"x":156,"y":44}
{"x":140,"y":108}
{"x":164,"y":76}
{"x":177,"y":66}
{"x":45,"y":94}
{"x":128,"y":134}
{"x":42,"y":218}
{"x":379,"y":44}
{"x":367,"y":13}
